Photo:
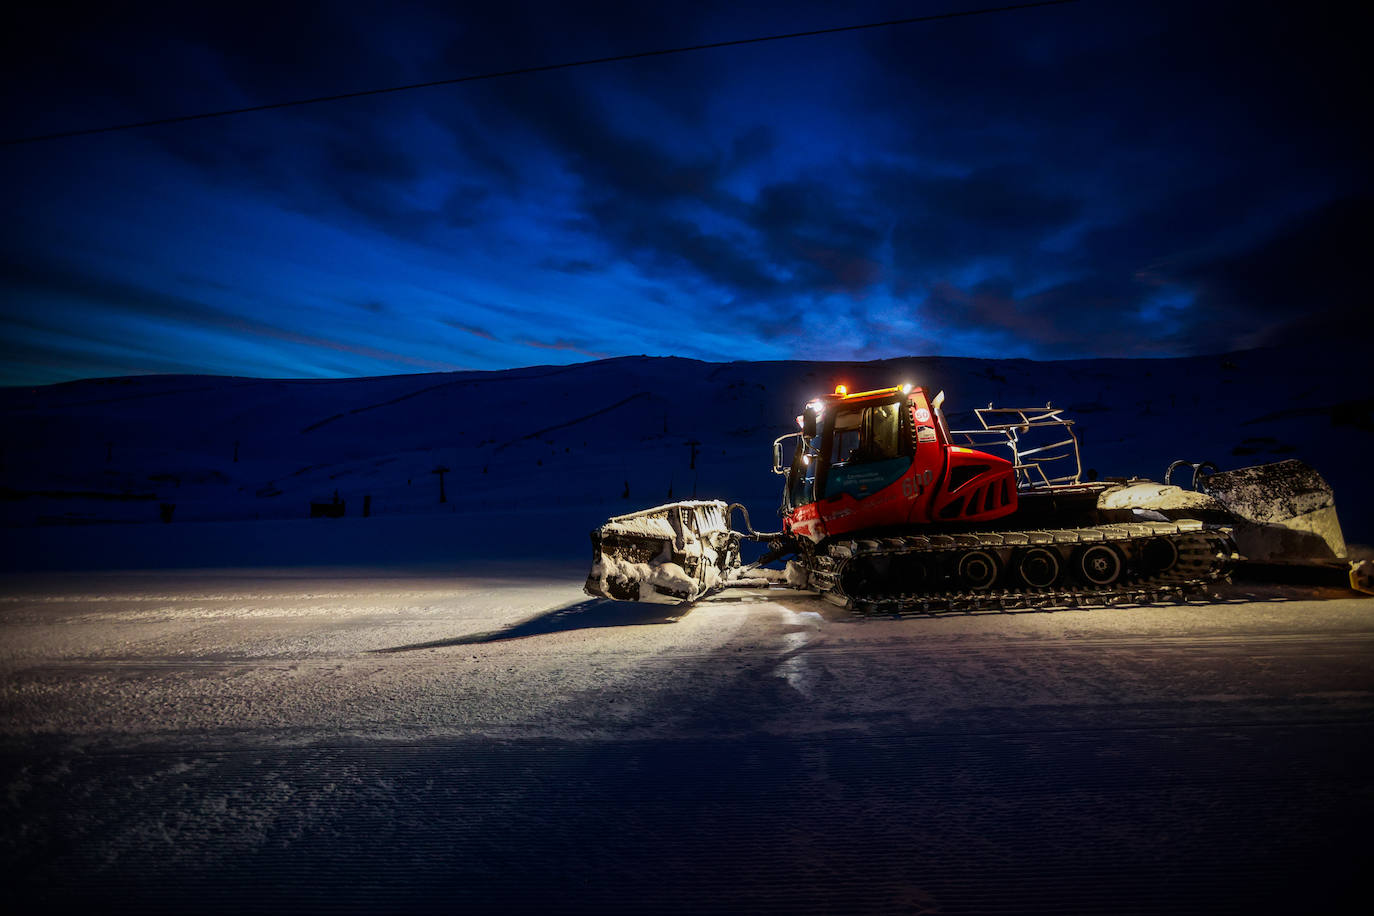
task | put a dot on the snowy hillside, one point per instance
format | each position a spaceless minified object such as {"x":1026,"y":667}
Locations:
{"x":536,"y":457}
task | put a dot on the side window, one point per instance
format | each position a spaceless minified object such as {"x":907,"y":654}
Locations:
{"x":882,"y":426}
{"x":803,"y":488}
{"x":845,"y":441}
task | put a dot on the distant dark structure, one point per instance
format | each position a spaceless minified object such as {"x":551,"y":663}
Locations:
{"x":332,"y":509}
{"x":441,"y":470}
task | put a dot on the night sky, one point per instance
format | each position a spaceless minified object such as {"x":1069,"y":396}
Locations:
{"x":1096,"y":179}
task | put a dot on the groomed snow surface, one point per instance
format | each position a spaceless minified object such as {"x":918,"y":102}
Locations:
{"x":365,"y":740}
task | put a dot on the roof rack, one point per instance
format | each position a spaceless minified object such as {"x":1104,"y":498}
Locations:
{"x":1041,"y":459}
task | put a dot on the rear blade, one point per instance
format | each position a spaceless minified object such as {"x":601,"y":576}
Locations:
{"x":1284,"y":513}
{"x":669,"y":554}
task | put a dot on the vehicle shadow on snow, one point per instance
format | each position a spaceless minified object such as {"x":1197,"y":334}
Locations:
{"x":593,"y":613}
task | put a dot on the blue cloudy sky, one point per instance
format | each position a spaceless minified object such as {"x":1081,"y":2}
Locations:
{"x":1106,"y":178}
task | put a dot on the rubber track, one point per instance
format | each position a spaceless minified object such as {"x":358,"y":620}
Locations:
{"x":1205,"y":556}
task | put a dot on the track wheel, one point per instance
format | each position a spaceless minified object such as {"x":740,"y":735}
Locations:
{"x":867,"y":576}
{"x":1099,"y":564}
{"x":1038,"y":567}
{"x":1159,"y":555}
{"x":977,"y":570}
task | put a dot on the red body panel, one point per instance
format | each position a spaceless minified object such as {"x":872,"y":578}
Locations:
{"x":986,"y":488}
{"x":945,"y":484}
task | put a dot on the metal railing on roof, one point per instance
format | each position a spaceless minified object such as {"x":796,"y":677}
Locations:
{"x":1040,"y":457}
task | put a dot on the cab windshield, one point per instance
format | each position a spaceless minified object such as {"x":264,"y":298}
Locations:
{"x":867,"y":434}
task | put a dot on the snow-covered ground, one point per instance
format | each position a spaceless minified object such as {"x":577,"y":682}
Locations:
{"x":308,"y":655}
{"x":373,"y":739}
{"x":536,"y":457}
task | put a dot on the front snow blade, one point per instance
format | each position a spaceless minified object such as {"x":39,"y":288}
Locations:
{"x":669,"y":554}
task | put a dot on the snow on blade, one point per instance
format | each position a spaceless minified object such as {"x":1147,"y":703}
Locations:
{"x":672,"y":553}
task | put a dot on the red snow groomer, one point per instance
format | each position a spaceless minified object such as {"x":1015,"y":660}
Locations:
{"x":885,"y":508}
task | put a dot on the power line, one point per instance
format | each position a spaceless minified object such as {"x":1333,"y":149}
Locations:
{"x":545,"y":68}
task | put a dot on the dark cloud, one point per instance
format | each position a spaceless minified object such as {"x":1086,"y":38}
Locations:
{"x":574,"y":346}
{"x":664,"y":244}
{"x":465,"y":206}
{"x":579,"y":266}
{"x":752,"y":145}
{"x":1308,"y":282}
{"x":1088,"y":316}
{"x":817,"y":236}
{"x":1302,"y":284}
{"x":81,"y":292}
{"x":470,"y":329}
{"x":943,"y":222}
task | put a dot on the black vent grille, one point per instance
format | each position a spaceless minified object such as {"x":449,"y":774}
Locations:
{"x":963,"y":474}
